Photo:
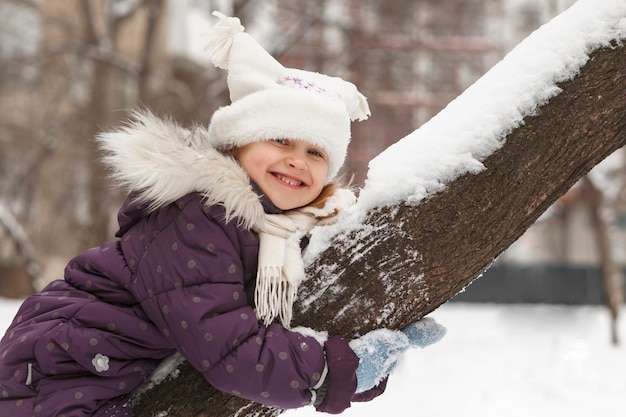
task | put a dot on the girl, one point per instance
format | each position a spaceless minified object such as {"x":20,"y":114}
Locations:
{"x":208,"y":259}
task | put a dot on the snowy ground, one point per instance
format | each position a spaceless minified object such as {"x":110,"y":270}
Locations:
{"x":509,"y":360}
{"x":500,"y":360}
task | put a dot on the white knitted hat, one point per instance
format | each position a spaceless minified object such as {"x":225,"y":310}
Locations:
{"x":270,"y":101}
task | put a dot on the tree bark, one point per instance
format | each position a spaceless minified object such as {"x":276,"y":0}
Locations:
{"x":415,"y":258}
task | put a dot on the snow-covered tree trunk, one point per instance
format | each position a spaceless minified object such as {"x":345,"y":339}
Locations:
{"x":404,"y":260}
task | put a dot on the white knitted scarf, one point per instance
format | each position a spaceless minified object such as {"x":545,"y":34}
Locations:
{"x":280,"y":270}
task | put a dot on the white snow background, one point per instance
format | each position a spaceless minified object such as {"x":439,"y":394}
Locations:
{"x":496,"y":360}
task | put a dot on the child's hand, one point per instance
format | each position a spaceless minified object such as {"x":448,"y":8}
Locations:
{"x":379,"y":350}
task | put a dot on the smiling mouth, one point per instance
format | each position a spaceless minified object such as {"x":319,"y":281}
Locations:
{"x":289,"y":181}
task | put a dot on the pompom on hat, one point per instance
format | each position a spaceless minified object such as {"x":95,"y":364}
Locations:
{"x":270,"y":101}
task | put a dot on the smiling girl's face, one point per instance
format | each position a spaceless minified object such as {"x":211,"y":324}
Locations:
{"x":291,"y":173}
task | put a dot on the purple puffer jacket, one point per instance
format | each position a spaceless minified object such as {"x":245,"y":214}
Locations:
{"x":180,"y":278}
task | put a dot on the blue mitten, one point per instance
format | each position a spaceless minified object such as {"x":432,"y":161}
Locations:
{"x":424,"y":332}
{"x":379,"y":350}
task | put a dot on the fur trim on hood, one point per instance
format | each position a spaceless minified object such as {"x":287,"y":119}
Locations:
{"x":161,"y":161}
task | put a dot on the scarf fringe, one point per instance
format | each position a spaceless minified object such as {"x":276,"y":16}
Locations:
{"x":274,"y":297}
{"x":281,"y":268}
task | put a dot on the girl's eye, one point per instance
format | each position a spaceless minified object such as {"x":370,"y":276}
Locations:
{"x":281,"y":141}
{"x":317,"y":153}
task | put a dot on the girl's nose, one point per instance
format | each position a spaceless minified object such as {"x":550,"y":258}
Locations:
{"x":295,"y":161}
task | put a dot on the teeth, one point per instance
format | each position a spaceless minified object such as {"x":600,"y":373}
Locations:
{"x":288,"y":180}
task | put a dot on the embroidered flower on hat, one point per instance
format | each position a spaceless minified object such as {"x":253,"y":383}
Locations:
{"x":100,"y":362}
{"x":299,"y":82}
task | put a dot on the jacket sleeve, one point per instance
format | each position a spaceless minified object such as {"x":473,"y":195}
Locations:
{"x":190,"y":282}
{"x":340,"y":384}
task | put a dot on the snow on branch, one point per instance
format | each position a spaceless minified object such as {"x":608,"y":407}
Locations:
{"x":458,"y":139}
